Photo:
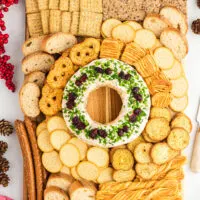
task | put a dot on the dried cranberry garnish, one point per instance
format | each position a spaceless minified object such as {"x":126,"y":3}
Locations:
{"x":135,"y":90}
{"x":125,"y":129}
{"x":75,"y":121}
{"x":120,"y":132}
{"x":80,"y":126}
{"x":133,"y":118}
{"x":121,"y":75}
{"x":70,"y":104}
{"x":138,"y":97}
{"x":137,"y":111}
{"x":72,"y":96}
{"x":108,"y":71}
{"x":99,"y":70}
{"x":83,"y":78}
{"x":93,"y":133}
{"x":78,"y":83}
{"x":102,"y":133}
{"x":127,"y":76}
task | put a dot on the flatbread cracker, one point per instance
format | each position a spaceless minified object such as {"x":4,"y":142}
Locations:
{"x":34,"y":24}
{"x":43,"y":4}
{"x":66,"y":21}
{"x":54,"y":4}
{"x":31,"y":6}
{"x":55,"y":21}
{"x":91,"y":6}
{"x":90,"y":24}
{"x":45,"y":21}
{"x":64,"y":5}
{"x":75,"y":23}
{"x":74,"y":5}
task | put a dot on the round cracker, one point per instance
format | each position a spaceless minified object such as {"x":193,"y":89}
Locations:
{"x":158,"y":129}
{"x":142,"y":152}
{"x":160,"y":112}
{"x":178,"y":139}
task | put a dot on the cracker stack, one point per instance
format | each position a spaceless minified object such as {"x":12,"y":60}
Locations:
{"x":79,"y":17}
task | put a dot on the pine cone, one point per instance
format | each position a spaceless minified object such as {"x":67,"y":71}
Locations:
{"x":4,"y":164}
{"x":196,"y":26}
{"x":5,"y":127}
{"x":198,"y":3}
{"x":3,"y":147}
{"x":4,"y":179}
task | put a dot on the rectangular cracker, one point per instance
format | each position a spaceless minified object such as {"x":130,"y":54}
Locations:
{"x":90,"y":24}
{"x":64,"y":5}
{"x":66,"y":21}
{"x":34,"y":24}
{"x":43,"y":4}
{"x":74,"y":5}
{"x":54,"y":4}
{"x":111,"y":48}
{"x":55,"y":21}
{"x":31,"y":6}
{"x":91,"y":6}
{"x":45,"y":21}
{"x":75,"y":23}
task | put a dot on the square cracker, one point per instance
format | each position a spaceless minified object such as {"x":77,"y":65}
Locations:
{"x":31,"y":6}
{"x":66,"y":21}
{"x":34,"y":24}
{"x":90,"y":24}
{"x":74,"y":5}
{"x":75,"y":23}
{"x":111,"y":48}
{"x":54,"y":4}
{"x":64,"y":5}
{"x":91,"y":6}
{"x":45,"y":14}
{"x":55,"y":21}
{"x":43,"y":4}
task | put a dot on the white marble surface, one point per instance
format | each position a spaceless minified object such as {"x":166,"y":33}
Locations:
{"x":9,"y":107}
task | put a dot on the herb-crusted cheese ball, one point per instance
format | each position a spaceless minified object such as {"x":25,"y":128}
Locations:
{"x":135,"y":103}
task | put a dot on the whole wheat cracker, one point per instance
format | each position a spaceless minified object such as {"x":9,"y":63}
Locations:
{"x":75,"y":23}
{"x":43,"y":4}
{"x":31,"y":6}
{"x":55,"y":21}
{"x":64,"y":5}
{"x":45,"y":17}
{"x":54,"y":4}
{"x":74,"y":5}
{"x":91,"y":6}
{"x":66,"y":21}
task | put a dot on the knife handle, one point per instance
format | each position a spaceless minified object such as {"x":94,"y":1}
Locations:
{"x":195,"y":162}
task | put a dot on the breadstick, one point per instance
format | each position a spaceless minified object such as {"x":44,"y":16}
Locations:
{"x":26,"y":151}
{"x":25,"y":195}
{"x":31,"y":130}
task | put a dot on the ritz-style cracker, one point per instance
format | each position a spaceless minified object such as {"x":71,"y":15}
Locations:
{"x":54,"y":4}
{"x":31,"y":6}
{"x":34,"y":24}
{"x":91,"y":6}
{"x":66,"y":21}
{"x":64,"y":5}
{"x":43,"y":4}
{"x":74,"y":23}
{"x":55,"y":21}
{"x":74,"y":5}
{"x":90,"y":24}
{"x":45,"y":21}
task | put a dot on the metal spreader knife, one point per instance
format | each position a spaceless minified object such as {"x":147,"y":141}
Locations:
{"x":195,"y":162}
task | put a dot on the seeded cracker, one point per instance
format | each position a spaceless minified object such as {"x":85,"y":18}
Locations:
{"x":54,"y":4}
{"x":74,"y":5}
{"x":31,"y":6}
{"x":43,"y":4}
{"x":74,"y":23}
{"x":64,"y":5}
{"x":90,"y":24}
{"x":34,"y":24}
{"x":45,"y":21}
{"x":66,"y":21}
{"x":91,"y":6}
{"x":55,"y":21}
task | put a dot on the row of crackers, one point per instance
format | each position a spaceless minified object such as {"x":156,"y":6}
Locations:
{"x":81,"y":18}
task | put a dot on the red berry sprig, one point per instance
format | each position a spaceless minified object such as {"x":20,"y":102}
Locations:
{"x":6,"y":68}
